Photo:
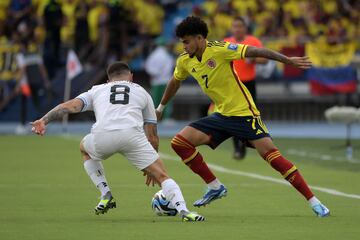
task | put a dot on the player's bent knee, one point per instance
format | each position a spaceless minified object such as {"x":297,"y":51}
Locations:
{"x":178,"y":143}
{"x":83,"y":152}
{"x":183,"y":148}
{"x":85,"y":156}
{"x":82,"y":148}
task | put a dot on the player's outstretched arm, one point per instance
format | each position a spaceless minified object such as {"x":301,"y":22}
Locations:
{"x":300,"y":62}
{"x":170,"y":91}
{"x":71,"y":106}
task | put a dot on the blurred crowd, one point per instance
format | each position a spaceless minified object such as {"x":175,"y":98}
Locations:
{"x":97,"y":30}
{"x":35,"y":36}
{"x":39,"y":32}
{"x":294,"y":21}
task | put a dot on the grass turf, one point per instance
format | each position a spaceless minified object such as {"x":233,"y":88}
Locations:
{"x":45,"y":194}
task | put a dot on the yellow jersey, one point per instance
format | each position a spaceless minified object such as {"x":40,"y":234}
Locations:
{"x":218,"y":79}
{"x":8,"y":63}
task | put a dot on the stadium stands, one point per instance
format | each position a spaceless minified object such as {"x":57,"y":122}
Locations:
{"x":101,"y":31}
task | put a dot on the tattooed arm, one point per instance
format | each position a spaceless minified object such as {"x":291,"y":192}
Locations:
{"x":300,"y":62}
{"x":72,"y":106}
{"x":151,"y":134}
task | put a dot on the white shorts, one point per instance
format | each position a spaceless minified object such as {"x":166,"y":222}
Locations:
{"x":132,"y":143}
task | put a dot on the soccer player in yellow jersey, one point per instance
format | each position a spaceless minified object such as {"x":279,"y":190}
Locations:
{"x":210,"y":63}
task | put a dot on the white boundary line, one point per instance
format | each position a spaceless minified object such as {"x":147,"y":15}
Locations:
{"x":322,"y":157}
{"x":265,"y":178}
{"x":251,"y":175}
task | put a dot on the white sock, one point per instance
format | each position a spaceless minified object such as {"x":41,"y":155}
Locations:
{"x":215,"y":184}
{"x":313,"y":201}
{"x":173,"y":193}
{"x":95,"y":170}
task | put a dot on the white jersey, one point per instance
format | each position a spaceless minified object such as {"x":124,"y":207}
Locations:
{"x":119,"y":105}
{"x":160,"y":66}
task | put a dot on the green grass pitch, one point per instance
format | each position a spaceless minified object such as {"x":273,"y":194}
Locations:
{"x":46,"y":194}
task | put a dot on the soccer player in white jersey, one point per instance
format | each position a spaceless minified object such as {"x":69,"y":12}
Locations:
{"x":126,"y":124}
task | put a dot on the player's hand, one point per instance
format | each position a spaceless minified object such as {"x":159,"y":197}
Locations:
{"x":300,"y":62}
{"x":158,"y":115}
{"x":38,"y":127}
{"x":150,"y":180}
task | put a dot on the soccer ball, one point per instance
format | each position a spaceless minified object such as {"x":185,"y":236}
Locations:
{"x":161,"y":206}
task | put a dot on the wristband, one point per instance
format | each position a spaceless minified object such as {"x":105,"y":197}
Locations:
{"x":160,"y":108}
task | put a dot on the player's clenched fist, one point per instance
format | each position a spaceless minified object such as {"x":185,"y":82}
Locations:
{"x":38,"y":127}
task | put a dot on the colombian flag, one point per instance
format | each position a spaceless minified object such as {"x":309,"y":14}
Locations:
{"x":332,"y":72}
{"x":332,"y":80}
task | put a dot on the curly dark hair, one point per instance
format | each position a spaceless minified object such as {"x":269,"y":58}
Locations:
{"x":192,"y":26}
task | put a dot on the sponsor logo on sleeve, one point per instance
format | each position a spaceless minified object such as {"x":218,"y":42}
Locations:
{"x":232,"y":46}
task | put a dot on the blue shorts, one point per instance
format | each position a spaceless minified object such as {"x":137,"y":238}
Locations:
{"x":220,"y":128}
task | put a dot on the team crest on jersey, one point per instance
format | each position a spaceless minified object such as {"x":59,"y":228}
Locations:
{"x":211,"y":63}
{"x":232,"y":46}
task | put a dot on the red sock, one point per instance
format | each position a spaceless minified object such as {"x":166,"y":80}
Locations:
{"x":192,"y":158}
{"x":289,"y":172}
